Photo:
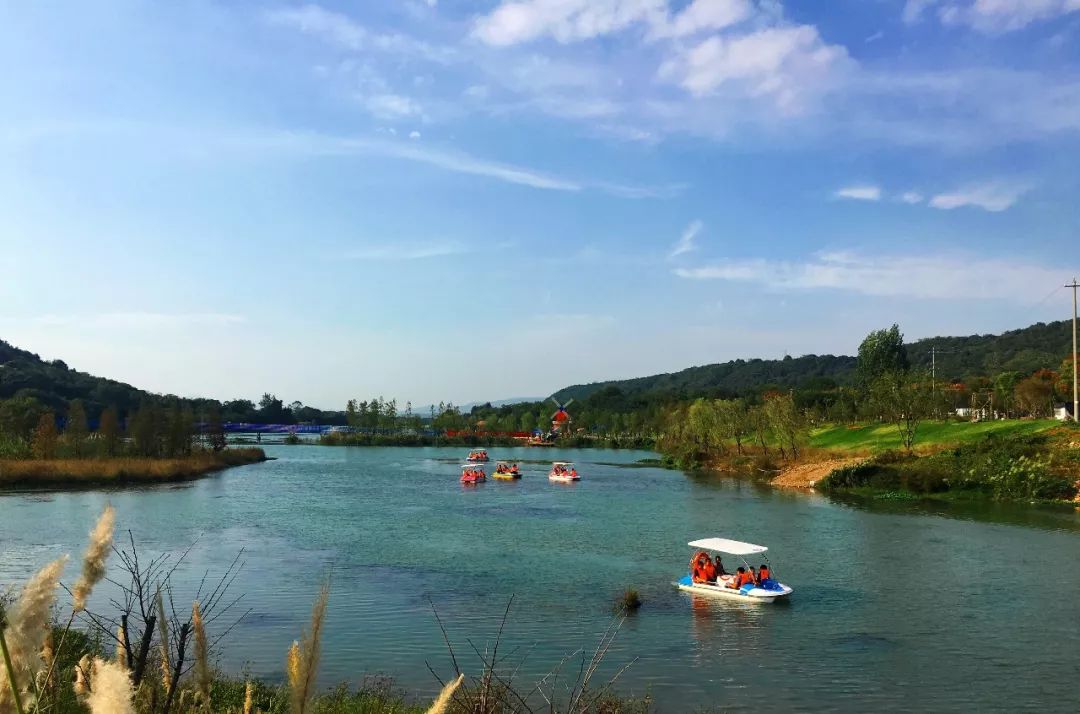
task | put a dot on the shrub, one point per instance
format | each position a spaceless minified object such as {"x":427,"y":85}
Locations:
{"x":629,"y":601}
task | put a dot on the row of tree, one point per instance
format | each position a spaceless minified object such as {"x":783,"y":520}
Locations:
{"x":27,"y":428}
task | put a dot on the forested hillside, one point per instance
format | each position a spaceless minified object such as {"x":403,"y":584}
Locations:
{"x":1042,"y":345}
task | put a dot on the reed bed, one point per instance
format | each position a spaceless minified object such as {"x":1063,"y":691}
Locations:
{"x":121,"y":470}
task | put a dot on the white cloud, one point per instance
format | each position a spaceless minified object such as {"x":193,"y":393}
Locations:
{"x":566,"y":20}
{"x":927,"y":277}
{"x":414,"y":135}
{"x":914,"y":9}
{"x":706,"y":15}
{"x":874,"y":37}
{"x":685,"y":244}
{"x":991,"y":16}
{"x":518,"y":21}
{"x":392,"y":106}
{"x":347,"y":34}
{"x":398,"y":251}
{"x":789,"y":65}
{"x":859,"y":193}
{"x":994,"y":197}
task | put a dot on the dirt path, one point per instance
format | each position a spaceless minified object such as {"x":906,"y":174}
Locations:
{"x":806,"y":475}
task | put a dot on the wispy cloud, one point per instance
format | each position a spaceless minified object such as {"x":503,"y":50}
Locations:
{"x":911,"y":198}
{"x":399,"y":251}
{"x":218,"y":141}
{"x":859,"y":193}
{"x":928,"y":277}
{"x":346,"y":33}
{"x":686,"y":242}
{"x":990,"y":16}
{"x":994,"y":197}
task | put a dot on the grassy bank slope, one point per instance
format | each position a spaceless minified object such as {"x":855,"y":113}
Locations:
{"x":932,"y":434}
{"x":121,"y":471}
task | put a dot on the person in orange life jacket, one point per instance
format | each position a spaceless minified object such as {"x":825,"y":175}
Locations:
{"x":708,"y":571}
{"x":697,"y":567}
{"x":763,"y":573}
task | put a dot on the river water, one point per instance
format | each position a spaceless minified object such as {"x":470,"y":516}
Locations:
{"x":896,"y":606}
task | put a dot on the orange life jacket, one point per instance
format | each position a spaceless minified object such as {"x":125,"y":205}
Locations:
{"x":764,"y":573}
{"x":743,"y":578}
{"x":709,"y":571}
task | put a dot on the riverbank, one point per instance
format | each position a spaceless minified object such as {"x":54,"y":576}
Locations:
{"x":1041,"y":465}
{"x":31,"y":473}
{"x":1020,"y":460}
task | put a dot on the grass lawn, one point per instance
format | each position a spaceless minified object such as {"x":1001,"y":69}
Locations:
{"x":878,"y":437}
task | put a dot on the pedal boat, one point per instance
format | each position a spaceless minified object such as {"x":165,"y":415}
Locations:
{"x":563,"y":472}
{"x":506,"y":474}
{"x":471,"y":474}
{"x":769,"y":591}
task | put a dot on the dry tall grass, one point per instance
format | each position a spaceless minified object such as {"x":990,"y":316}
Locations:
{"x":75,"y":472}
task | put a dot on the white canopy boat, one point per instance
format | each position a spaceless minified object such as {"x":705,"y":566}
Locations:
{"x":767,"y":590}
{"x":563,"y":472}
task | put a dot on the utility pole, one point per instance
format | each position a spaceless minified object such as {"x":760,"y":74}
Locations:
{"x":1076,"y":401}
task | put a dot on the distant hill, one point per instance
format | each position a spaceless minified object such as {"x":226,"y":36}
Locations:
{"x":54,"y":384}
{"x":958,"y":358}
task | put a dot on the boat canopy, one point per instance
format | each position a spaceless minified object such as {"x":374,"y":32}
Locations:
{"x":562,"y":463}
{"x":472,"y":467}
{"x":724,"y":545}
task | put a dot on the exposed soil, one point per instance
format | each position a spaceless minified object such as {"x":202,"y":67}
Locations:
{"x":806,"y":475}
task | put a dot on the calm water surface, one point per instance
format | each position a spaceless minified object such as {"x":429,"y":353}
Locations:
{"x":897,"y":607}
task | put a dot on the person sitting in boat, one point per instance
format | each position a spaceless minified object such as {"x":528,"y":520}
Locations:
{"x":719,"y":565}
{"x":708,"y":571}
{"x":573,"y":472}
{"x":741,"y":578}
{"x":514,"y":469}
{"x":763,"y":574}
{"x":697,"y":566}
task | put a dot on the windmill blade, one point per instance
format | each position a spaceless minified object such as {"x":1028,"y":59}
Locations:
{"x":555,"y":402}
{"x":568,"y":403}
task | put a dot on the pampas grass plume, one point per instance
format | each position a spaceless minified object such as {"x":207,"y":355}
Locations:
{"x":442,"y":704}
{"x":111,"y":691}
{"x":308,"y":661}
{"x":249,"y":694}
{"x":202,"y":663}
{"x":29,"y":622}
{"x":93,"y":566}
{"x":293,"y":664}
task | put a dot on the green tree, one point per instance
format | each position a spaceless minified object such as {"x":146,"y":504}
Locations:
{"x":19,"y":416}
{"x":109,"y":432}
{"x":734,"y":421}
{"x":352,"y":414}
{"x":905,"y":400}
{"x":44,"y":444}
{"x":880,"y":353}
{"x":180,"y":431}
{"x":76,"y":430}
{"x":785,"y":423}
{"x":145,"y":428}
{"x":215,"y":430}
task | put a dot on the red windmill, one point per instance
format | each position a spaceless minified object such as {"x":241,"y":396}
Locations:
{"x":560,"y":420}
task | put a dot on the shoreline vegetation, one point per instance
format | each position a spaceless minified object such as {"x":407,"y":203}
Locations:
{"x":152,"y":653}
{"x":1035,"y":461}
{"x":125,"y":470}
{"x":896,"y":431}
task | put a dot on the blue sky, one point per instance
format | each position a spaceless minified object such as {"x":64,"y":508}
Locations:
{"x":473,"y":199}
